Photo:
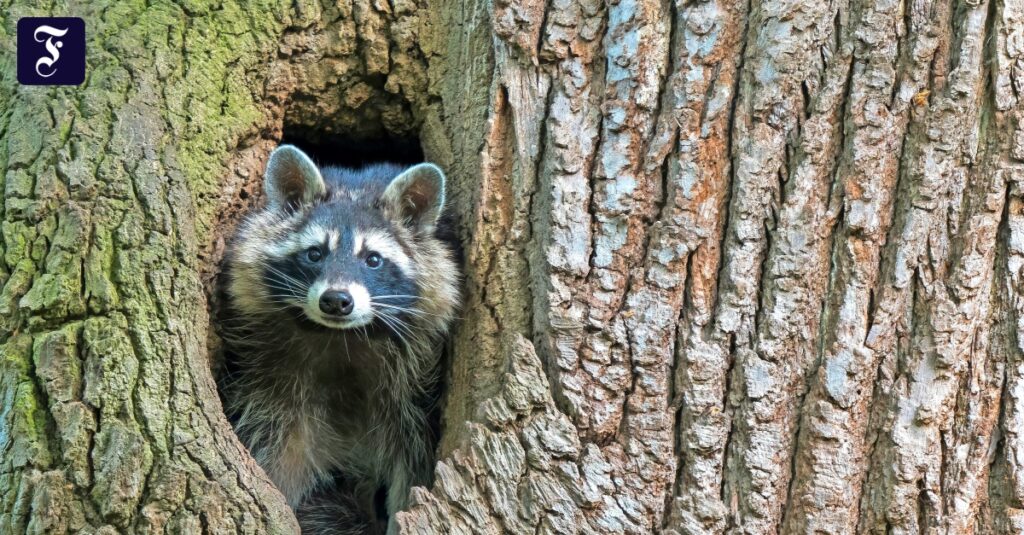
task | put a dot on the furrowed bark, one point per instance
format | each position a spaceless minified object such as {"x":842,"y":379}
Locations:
{"x":758,"y":250}
{"x":110,"y":415}
{"x":118,"y":195}
{"x":1005,"y":488}
{"x":731,"y":266}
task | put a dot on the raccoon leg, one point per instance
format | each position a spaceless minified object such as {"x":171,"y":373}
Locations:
{"x":287,"y":462}
{"x":404,"y":476}
{"x":413,"y":464}
{"x":398,"y":497}
{"x":335,"y":510}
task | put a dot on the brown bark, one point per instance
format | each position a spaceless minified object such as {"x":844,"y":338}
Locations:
{"x":731,"y":267}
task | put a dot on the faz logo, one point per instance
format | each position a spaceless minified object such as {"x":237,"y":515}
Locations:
{"x":51,"y":50}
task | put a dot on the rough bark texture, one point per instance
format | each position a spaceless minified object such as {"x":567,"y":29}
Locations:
{"x":731,"y":267}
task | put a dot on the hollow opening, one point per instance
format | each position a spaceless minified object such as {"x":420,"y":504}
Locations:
{"x":345,"y":102}
{"x":327,"y":149}
{"x":244,"y":194}
{"x":353,"y":152}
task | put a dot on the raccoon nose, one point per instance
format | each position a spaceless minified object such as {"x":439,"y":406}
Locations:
{"x":336,"y":303}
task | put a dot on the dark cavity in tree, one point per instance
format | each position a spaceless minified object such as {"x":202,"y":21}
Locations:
{"x":350,"y":152}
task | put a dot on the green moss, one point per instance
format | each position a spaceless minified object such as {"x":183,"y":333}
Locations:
{"x":22,"y":412}
{"x":102,"y":184}
{"x":55,"y":356}
{"x":99,"y":290}
{"x":217,"y":103}
{"x":16,"y":286}
{"x":17,"y":237}
{"x":111,"y":366}
{"x":28,"y":427}
{"x":15,"y":355}
{"x":19,"y":184}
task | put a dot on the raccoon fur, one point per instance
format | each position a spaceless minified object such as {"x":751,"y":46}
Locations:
{"x":339,"y":293}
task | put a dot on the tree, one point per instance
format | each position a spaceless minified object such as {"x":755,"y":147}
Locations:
{"x":730,"y":267}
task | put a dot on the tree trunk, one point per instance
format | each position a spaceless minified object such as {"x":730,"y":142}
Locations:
{"x":730,"y":267}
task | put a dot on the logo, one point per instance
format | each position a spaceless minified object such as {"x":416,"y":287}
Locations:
{"x":51,"y":50}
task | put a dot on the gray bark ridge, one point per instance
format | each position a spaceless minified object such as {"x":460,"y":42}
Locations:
{"x":770,"y":265}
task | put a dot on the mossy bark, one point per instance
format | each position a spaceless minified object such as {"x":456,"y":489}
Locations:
{"x":117,"y":197}
{"x":744,"y":267}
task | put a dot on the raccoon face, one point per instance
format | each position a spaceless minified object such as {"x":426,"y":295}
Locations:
{"x":346,"y":257}
{"x":342,"y":274}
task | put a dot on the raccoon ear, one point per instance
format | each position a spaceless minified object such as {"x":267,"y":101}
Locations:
{"x":418,"y":194}
{"x":292,"y":178}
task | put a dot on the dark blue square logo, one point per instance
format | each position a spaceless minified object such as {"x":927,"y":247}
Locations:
{"x":51,"y":50}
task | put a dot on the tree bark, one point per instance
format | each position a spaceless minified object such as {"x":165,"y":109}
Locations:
{"x":731,"y":267}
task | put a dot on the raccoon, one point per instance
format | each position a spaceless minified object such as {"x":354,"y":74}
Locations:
{"x":339,"y":293}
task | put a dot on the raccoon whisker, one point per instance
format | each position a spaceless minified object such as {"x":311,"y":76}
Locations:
{"x":278,"y":292}
{"x":286,"y":277}
{"x":249,"y":316}
{"x":347,"y":354}
{"x":400,"y":327}
{"x":287,"y":303}
{"x":414,"y":311}
{"x":390,"y":310}
{"x":290,"y":281}
{"x":283,"y":307}
{"x":272,"y":269}
{"x":286,"y":296}
{"x":406,"y":334}
{"x":384,"y":314}
{"x":273,"y":311}
{"x":289,"y":289}
{"x":293,"y":291}
{"x":403,"y":309}
{"x":373,"y":300}
{"x":366,"y":335}
{"x":285,"y":281}
{"x":390,"y":321}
